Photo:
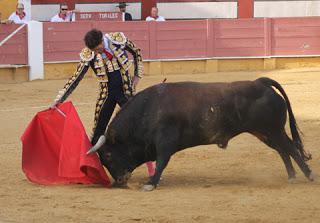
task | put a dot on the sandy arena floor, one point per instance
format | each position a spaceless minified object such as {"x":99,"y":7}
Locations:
{"x":245,"y":183}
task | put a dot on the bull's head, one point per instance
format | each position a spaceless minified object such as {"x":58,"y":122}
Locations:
{"x":113,"y":157}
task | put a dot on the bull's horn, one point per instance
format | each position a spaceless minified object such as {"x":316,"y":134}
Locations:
{"x":98,"y":145}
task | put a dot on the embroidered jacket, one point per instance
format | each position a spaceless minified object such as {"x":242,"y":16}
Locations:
{"x":101,"y":64}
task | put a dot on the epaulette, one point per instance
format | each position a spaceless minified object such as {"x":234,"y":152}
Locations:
{"x":117,"y":38}
{"x":86,"y":54}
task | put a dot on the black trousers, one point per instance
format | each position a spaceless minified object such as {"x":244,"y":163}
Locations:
{"x":115,"y":96}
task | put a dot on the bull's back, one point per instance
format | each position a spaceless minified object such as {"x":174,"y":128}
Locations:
{"x":200,"y":110}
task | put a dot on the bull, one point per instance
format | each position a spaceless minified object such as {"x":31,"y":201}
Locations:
{"x":169,"y":117}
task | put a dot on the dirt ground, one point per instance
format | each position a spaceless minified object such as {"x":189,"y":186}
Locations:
{"x":247,"y":182}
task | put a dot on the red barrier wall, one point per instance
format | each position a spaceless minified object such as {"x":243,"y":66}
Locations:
{"x":15,"y":50}
{"x":63,"y":41}
{"x":178,"y":39}
{"x":196,"y":39}
{"x":295,"y":36}
{"x":237,"y":38}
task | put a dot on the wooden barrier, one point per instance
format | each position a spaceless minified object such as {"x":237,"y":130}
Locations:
{"x":15,"y":50}
{"x":215,"y":38}
{"x":295,"y":36}
{"x":260,"y":37}
{"x":63,"y":41}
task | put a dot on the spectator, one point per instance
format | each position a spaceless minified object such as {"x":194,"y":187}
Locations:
{"x":154,"y":15}
{"x":122,"y":8}
{"x":19,"y":16}
{"x":64,"y":15}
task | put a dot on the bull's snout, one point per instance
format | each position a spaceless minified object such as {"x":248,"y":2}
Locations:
{"x":122,"y":181}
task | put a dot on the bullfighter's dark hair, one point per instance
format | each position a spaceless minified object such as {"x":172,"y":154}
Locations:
{"x":93,"y":38}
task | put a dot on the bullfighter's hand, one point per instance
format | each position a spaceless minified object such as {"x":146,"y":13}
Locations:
{"x":57,"y":99}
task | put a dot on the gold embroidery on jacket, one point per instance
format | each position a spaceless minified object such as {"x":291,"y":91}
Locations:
{"x":117,"y":38}
{"x":86,"y":54}
{"x":75,"y":76}
{"x":138,"y":64}
{"x":99,"y":65}
{"x":109,"y":65}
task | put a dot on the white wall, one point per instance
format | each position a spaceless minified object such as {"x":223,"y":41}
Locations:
{"x":35,"y":50}
{"x":286,"y":8}
{"x":44,"y":12}
{"x":194,"y":10}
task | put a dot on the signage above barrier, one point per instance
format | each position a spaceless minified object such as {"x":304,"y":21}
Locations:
{"x":99,"y":16}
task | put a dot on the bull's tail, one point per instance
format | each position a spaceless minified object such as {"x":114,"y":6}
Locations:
{"x":293,"y":124}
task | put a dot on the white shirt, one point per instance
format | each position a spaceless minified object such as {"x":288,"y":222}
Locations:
{"x":159,"y":19}
{"x":16,"y":19}
{"x":57,"y":18}
{"x":106,"y":45}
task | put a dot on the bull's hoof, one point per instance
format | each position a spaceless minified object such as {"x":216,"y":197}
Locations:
{"x":148,"y":187}
{"x":292,"y":180}
{"x":311,"y":176}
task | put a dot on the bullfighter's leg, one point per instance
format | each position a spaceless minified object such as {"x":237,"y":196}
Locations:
{"x":150,"y":168}
{"x":104,"y":109}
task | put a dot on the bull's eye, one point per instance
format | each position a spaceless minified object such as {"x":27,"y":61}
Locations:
{"x":108,"y":156}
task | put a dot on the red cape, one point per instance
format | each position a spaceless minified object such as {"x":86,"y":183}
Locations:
{"x":54,"y":147}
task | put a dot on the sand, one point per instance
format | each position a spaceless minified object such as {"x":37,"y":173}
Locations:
{"x":247,"y":182}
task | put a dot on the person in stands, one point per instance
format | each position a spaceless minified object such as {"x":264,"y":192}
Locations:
{"x":154,"y":15}
{"x":19,"y":16}
{"x":64,"y":15}
{"x":122,"y":7}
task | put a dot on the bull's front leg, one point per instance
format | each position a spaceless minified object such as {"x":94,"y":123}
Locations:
{"x":166,"y":144}
{"x":161,"y":164}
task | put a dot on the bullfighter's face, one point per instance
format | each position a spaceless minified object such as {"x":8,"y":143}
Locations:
{"x":99,"y":49}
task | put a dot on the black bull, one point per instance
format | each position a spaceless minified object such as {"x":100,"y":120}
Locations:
{"x":166,"y":118}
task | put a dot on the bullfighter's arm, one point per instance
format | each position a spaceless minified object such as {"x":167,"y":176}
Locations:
{"x":86,"y":56}
{"x":137,"y":58}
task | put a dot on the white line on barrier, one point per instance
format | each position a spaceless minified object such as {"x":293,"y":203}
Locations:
{"x":12,"y":34}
